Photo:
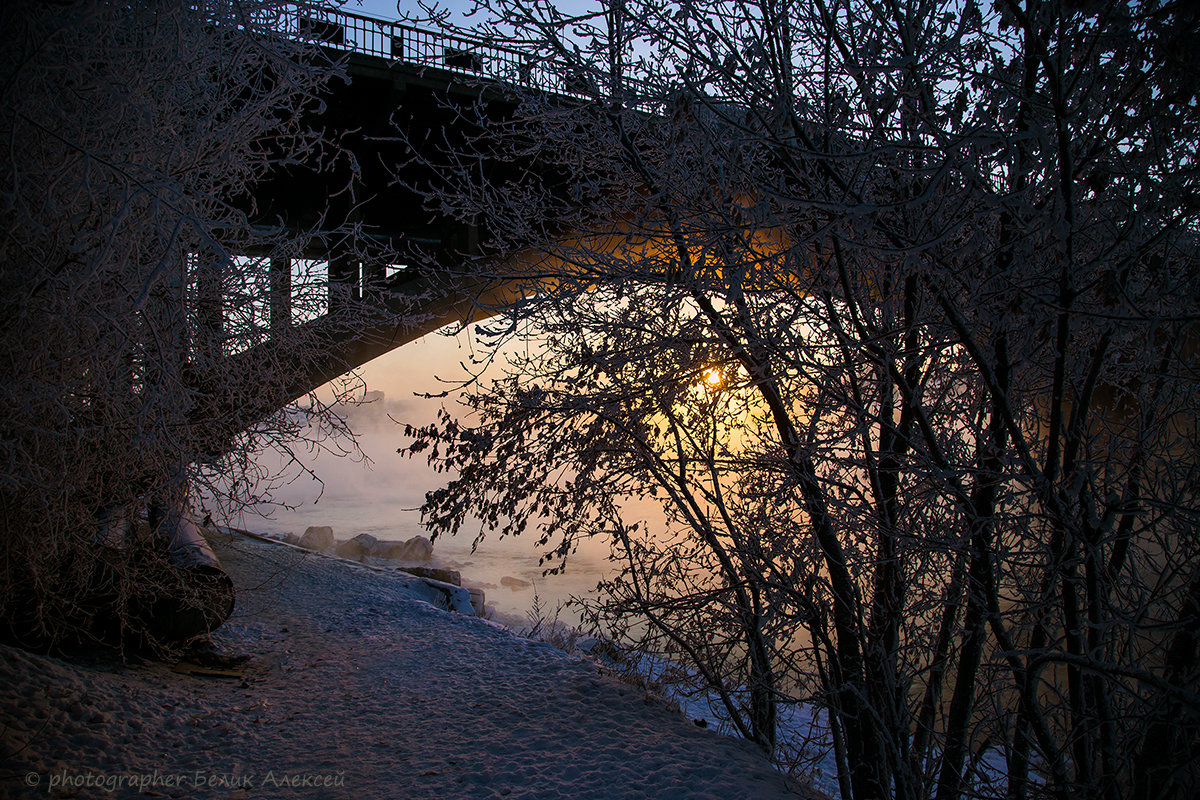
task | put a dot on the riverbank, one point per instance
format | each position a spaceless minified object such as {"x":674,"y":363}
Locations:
{"x":333,"y":679}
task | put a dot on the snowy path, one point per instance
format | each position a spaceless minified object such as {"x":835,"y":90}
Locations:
{"x":354,"y":683}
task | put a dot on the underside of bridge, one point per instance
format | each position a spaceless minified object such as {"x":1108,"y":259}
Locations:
{"x":396,"y":264}
{"x":393,"y":267}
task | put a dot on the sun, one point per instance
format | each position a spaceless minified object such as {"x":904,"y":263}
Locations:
{"x":712,"y":377}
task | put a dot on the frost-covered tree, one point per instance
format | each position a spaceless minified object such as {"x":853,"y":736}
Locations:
{"x":131,"y":267}
{"x":894,"y":307}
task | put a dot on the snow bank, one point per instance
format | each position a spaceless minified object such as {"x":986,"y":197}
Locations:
{"x":356,"y":685}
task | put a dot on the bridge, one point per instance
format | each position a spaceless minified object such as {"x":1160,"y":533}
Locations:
{"x":249,"y":328}
{"x":404,"y":85}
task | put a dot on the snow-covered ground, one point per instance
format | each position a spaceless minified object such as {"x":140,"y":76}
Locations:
{"x":355,"y":686}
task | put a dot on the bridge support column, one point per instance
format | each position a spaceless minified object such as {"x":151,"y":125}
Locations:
{"x":280,"y":296}
{"x":374,"y":277}
{"x":344,"y":287}
{"x":468,"y":239}
{"x":207,"y":345}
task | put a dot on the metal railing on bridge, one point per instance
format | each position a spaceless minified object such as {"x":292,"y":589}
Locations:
{"x":396,"y":41}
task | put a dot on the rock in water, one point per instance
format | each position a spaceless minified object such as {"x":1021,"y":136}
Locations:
{"x":318,"y":537}
{"x":477,"y":599}
{"x":418,"y":548}
{"x":362,"y":545}
{"x":392,"y":550}
{"x":514,"y":583}
{"x":434,"y":573}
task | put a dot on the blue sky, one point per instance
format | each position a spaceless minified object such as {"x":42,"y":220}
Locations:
{"x":387,"y":9}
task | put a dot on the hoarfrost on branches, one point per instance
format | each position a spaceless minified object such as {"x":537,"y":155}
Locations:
{"x":894,"y":308}
{"x":132,"y":272}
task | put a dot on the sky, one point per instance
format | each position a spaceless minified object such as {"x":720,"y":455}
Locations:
{"x":393,"y":10}
{"x":388,"y":8}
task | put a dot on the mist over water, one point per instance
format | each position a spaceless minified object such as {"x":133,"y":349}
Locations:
{"x":380,"y":496}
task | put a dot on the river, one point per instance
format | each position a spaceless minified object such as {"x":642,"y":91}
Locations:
{"x":381,"y":496}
